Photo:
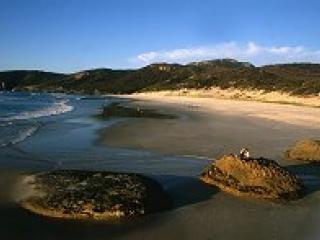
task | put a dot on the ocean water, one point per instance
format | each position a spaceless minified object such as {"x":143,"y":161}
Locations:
{"x":21,"y":114}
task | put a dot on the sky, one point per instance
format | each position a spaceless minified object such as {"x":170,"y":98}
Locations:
{"x":73,"y":35}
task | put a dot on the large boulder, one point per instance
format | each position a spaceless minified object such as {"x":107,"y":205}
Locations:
{"x":254,"y":178}
{"x":305,"y":150}
{"x":92,"y":195}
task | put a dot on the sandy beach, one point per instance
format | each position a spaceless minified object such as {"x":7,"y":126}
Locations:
{"x":206,"y":128}
{"x":173,"y":152}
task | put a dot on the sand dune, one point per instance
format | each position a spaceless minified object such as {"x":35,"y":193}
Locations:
{"x":246,"y":95}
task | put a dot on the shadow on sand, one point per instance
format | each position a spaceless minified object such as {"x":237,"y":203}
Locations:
{"x":185,"y":190}
{"x":309,"y":173}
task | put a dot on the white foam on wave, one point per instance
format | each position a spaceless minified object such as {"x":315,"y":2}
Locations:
{"x":27,"y":133}
{"x":20,"y":137}
{"x":59,"y":95}
{"x":15,"y":129}
{"x":55,"y":109}
{"x":5,"y":124}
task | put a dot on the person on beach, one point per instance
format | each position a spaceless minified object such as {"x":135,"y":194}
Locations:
{"x":244,"y":153}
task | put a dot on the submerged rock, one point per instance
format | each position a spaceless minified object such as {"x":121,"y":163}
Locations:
{"x":92,"y":195}
{"x":254,"y":178}
{"x":305,"y":150}
{"x":121,"y":111}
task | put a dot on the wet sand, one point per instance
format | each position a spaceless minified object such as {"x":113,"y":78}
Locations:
{"x":172,"y":151}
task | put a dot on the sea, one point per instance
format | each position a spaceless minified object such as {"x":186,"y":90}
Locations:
{"x":21,"y":113}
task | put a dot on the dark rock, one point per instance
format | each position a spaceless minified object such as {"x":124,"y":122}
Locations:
{"x":120,"y":111}
{"x":93,"y":195}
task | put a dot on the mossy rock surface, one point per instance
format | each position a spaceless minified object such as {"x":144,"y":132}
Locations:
{"x":93,"y":195}
{"x":253,"y":178}
{"x":304,"y":150}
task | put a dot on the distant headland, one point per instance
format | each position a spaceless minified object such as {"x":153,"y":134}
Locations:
{"x":295,"y":78}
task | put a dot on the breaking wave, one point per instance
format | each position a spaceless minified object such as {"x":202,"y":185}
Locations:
{"x":18,"y":127}
{"x":17,"y":133}
{"x":56,"y":109}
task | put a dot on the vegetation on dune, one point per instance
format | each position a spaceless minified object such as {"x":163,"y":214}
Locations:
{"x":298,"y":79}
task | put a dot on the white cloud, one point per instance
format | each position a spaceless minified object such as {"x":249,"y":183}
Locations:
{"x":252,"y":52}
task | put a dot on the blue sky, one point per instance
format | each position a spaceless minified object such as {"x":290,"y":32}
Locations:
{"x":71,"y":35}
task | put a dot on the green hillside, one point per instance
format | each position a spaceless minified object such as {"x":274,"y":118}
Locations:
{"x":296,"y":78}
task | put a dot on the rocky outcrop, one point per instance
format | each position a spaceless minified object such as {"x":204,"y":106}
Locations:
{"x":92,"y":195}
{"x":253,"y":178}
{"x":304,"y":150}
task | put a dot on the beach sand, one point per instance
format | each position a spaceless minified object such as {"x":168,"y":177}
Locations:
{"x":206,"y":128}
{"x":172,"y":151}
{"x":209,"y":127}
